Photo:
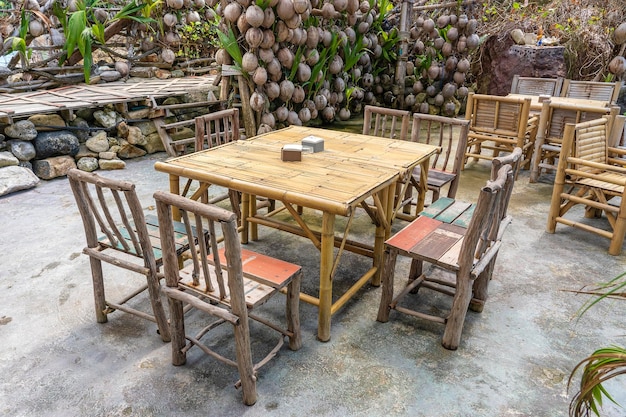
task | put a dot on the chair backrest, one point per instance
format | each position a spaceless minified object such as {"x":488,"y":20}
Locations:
{"x":592,"y":90}
{"x":536,"y":86}
{"x":497,"y":115}
{"x":217,"y":128}
{"x":208,"y":274}
{"x":554,"y":117}
{"x":485,"y":226}
{"x":387,"y":123}
{"x":587,"y":142}
{"x":109,"y":204}
{"x":514,"y":160}
{"x":618,"y":132}
{"x":450,"y":134}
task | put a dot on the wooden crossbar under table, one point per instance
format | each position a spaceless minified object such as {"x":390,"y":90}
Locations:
{"x":351,"y":169}
{"x":536,"y":102}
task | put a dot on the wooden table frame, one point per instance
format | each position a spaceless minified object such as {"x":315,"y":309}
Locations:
{"x":536,"y":102}
{"x":352,"y":168}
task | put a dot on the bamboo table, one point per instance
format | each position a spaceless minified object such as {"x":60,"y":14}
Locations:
{"x":351,"y":169}
{"x":536,"y":104}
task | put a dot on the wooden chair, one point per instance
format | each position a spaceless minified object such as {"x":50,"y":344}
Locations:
{"x":589,"y":174}
{"x":387,"y":123}
{"x":460,"y":238}
{"x":592,"y":90}
{"x":552,"y":121}
{"x":111,"y":208}
{"x":499,"y":124}
{"x":450,"y":134}
{"x":536,"y":86}
{"x":225,"y":283}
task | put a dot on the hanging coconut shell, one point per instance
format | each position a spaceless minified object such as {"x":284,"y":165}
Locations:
{"x":193,"y":17}
{"x":168,"y":56}
{"x":286,"y":90}
{"x":122,"y":67}
{"x":304,"y":114}
{"x":285,"y":57}
{"x":255,"y":15}
{"x":328,"y":113}
{"x":293,"y":119}
{"x":443,"y":21}
{"x":617,"y":65}
{"x":320,"y":101}
{"x":272,"y":90}
{"x":424,"y":108}
{"x":300,"y":6}
{"x":268,"y":18}
{"x":232,"y":11}
{"x":175,"y":4}
{"x":619,"y":34}
{"x":459,"y":77}
{"x":268,"y":119}
{"x":448,"y":90}
{"x":428,"y":25}
{"x":299,"y":94}
{"x":364,"y":7}
{"x":471,"y":27}
{"x":257,"y":101}
{"x":312,"y":56}
{"x":303,"y":73}
{"x":263,"y":128}
{"x":285,"y":9}
{"x":462,"y":22}
{"x":254,"y":37}
{"x":170,"y":19}
{"x":266,"y":55}
{"x":274,"y":67}
{"x":281,"y":113}
{"x":463,"y":65}
{"x":249,"y":62}
{"x":472,"y":41}
{"x":259,"y":77}
{"x":452,"y":34}
{"x":242,"y":23}
{"x":35,"y":28}
{"x":294,"y":22}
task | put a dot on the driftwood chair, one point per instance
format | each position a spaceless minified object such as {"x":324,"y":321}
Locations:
{"x":387,"y":123}
{"x":450,"y":135}
{"x":552,"y":121}
{"x":116,"y":232}
{"x":499,"y":124}
{"x":594,"y":175}
{"x":536,"y":86}
{"x":592,"y":90}
{"x":460,"y":238}
{"x":225,"y":283}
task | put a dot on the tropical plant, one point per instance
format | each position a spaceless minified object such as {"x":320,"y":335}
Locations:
{"x":603,"y":364}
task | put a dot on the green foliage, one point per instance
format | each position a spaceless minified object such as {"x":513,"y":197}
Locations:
{"x":229,"y":43}
{"x":294,"y":68}
{"x":195,"y":37}
{"x":352,"y":54}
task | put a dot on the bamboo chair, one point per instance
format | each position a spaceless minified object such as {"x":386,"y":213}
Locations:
{"x":387,"y":123}
{"x":112,"y":207}
{"x":460,"y":238}
{"x":225,"y":283}
{"x":589,"y":174}
{"x":552,"y":121}
{"x":499,"y":124}
{"x":536,"y":86}
{"x":592,"y":90}
{"x":450,"y":135}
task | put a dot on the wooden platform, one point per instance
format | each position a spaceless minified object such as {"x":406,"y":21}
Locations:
{"x":68,"y":98}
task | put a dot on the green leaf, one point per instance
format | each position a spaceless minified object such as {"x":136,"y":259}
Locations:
{"x":229,"y":43}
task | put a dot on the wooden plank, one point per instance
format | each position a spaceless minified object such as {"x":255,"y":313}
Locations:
{"x":413,"y":233}
{"x":452,"y":211}
{"x":439,"y":241}
{"x":437,"y":207}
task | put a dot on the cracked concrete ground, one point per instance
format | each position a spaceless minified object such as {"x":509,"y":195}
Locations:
{"x":514,"y":358}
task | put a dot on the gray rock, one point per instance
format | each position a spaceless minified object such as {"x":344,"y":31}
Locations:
{"x":42,"y":121}
{"x":24,"y":130}
{"x":49,"y":144}
{"x":26,"y":164}
{"x":109,"y":75}
{"x":98,"y":143}
{"x":85,"y":113}
{"x":82,"y":133}
{"x":107,"y":155}
{"x":129,"y":151}
{"x":87,"y":164}
{"x":23,"y":150}
{"x":7,"y":159}
{"x":16,"y":178}
{"x":154,"y":143}
{"x":146,"y":127}
{"x":84,"y":152}
{"x":106,"y":118}
{"x":54,"y":167}
{"x":135,"y":137}
{"x":112,"y":164}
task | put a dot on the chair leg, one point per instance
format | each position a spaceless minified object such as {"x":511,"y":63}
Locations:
{"x":177,"y":329}
{"x":416,"y":271}
{"x":387,"y":282}
{"x":619,"y":230}
{"x":97,"y":279}
{"x":235,"y":201}
{"x":481,"y":287}
{"x":456,"y":319}
{"x":293,"y":312}
{"x":244,"y":362}
{"x":157,"y":307}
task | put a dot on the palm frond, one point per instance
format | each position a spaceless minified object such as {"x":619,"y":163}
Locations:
{"x":600,"y":366}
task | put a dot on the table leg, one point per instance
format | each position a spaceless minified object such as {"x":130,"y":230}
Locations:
{"x":382,"y":233}
{"x":245,"y":213}
{"x":421,"y":197}
{"x":253,"y":227}
{"x":326,"y":280}
{"x":175,"y":189}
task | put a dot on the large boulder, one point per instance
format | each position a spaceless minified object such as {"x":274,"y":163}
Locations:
{"x":7,"y":159}
{"x":59,"y":143}
{"x":22,"y":149}
{"x":98,"y":142}
{"x":23,"y":130}
{"x":47,"y":122}
{"x":54,"y":167}
{"x":16,"y":178}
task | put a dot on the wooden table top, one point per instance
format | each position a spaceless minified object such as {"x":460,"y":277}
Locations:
{"x":535,"y":104}
{"x":351,"y":167}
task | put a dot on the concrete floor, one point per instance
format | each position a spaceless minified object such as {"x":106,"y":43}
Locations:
{"x":514,"y":358}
